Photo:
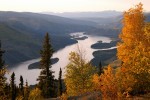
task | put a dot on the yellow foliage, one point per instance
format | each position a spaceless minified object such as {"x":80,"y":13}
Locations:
{"x":97,"y":82}
{"x":134,"y":50}
{"x":125,"y":81}
{"x":20,"y":98}
{"x":78,"y":77}
{"x":35,"y":94}
{"x":64,"y":97}
{"x":111,"y":83}
{"x":108,"y":83}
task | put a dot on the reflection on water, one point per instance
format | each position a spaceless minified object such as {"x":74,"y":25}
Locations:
{"x":84,"y":45}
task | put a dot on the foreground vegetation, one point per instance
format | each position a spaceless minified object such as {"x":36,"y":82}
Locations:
{"x":131,"y":78}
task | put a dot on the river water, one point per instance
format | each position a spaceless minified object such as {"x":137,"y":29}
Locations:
{"x":63,"y":54}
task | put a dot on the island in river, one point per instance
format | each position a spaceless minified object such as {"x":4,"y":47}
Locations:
{"x":62,"y":54}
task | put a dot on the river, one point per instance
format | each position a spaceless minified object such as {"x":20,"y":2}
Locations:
{"x":63,"y":54}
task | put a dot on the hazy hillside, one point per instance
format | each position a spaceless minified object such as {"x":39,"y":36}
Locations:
{"x":17,"y":45}
{"x":100,"y":14}
{"x":110,"y":27}
{"x":110,"y":22}
{"x":41,"y":23}
{"x":22,"y":33}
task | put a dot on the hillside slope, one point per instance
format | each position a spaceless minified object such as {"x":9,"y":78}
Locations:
{"x":41,"y":23}
{"x":22,"y":34}
{"x":17,"y":45}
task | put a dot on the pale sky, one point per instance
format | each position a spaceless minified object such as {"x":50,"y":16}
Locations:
{"x":70,"y":5}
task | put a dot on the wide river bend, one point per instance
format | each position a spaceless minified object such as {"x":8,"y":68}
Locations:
{"x":84,"y":44}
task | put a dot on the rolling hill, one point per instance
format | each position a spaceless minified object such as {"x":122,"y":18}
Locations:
{"x":22,"y":33}
{"x":41,"y":23}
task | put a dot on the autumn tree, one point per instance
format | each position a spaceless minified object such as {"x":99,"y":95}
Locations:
{"x":78,"y":76}
{"x":125,"y":82}
{"x":35,"y":94}
{"x":107,"y":84}
{"x":96,"y":82}
{"x":46,"y":79}
{"x":60,"y":83}
{"x":134,"y":50}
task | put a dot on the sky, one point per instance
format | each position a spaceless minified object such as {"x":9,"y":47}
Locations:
{"x":70,"y":5}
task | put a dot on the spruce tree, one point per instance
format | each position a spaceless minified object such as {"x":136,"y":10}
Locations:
{"x":60,"y":83}
{"x":3,"y":71}
{"x":21,"y":85}
{"x":26,"y":91}
{"x":13,"y":87}
{"x":2,"y":62}
{"x":46,"y":79}
{"x":100,"y":68}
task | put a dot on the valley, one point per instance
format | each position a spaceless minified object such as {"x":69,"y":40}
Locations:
{"x":22,"y":34}
{"x":62,"y":55}
{"x":74,"y":50}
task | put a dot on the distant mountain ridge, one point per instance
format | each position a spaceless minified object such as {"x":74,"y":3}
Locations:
{"x":112,"y":22}
{"x":100,"y":14}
